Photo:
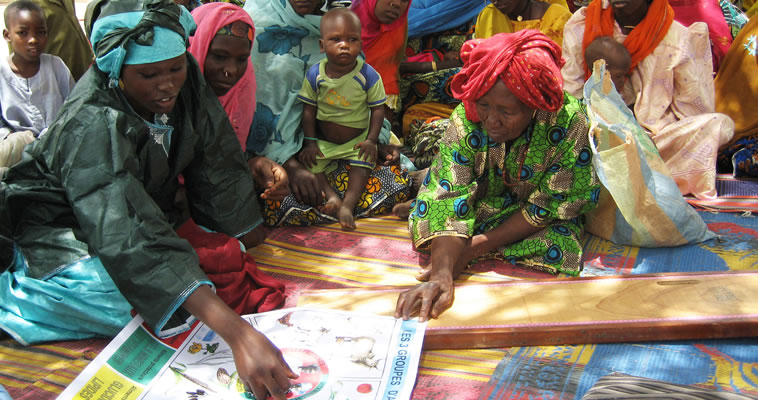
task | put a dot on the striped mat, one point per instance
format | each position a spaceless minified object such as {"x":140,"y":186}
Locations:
{"x":43,"y":371}
{"x":734,"y":195}
{"x":736,"y":248}
{"x":379,"y":253}
{"x":568,"y":372}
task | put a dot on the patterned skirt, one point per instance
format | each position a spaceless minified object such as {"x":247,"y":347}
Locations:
{"x":386,"y":187}
{"x":556,"y":248}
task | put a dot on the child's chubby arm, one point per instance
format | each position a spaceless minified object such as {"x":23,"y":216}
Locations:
{"x":310,"y":149}
{"x":367,"y":148}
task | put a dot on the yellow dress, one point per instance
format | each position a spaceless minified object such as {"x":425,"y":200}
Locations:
{"x":491,"y":22}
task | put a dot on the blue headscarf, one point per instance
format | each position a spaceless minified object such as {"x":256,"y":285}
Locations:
{"x":155,"y":33}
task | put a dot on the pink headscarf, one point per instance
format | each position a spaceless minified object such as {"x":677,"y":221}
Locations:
{"x":239,"y":101}
{"x":528,"y":62}
{"x":371,"y":28}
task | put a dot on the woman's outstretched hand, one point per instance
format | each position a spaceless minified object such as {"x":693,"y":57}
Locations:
{"x":260,"y":365}
{"x":437,"y":293}
{"x":388,"y":155}
{"x":430,"y":298}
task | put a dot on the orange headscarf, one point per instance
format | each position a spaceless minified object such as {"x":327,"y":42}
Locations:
{"x":642,"y":40}
{"x":383,"y":45}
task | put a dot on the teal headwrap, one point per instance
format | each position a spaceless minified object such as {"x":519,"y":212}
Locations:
{"x":157,"y":32}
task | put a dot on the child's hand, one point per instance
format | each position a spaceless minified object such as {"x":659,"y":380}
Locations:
{"x":271,"y":177}
{"x":390,"y":154}
{"x":308,"y":153}
{"x":367,"y":150}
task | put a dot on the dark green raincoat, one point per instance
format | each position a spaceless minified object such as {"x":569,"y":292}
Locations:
{"x":99,"y":183}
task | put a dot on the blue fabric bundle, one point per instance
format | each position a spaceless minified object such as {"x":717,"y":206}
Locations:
{"x":432,"y":16}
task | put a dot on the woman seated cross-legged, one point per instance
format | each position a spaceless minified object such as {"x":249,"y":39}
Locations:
{"x":514,"y":174}
{"x":421,"y":123}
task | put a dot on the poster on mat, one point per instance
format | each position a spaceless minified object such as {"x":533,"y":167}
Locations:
{"x":338,"y":356}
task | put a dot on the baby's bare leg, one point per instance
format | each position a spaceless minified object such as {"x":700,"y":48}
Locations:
{"x":356,"y":183}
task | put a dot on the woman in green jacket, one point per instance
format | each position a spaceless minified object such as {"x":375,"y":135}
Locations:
{"x":90,"y":209}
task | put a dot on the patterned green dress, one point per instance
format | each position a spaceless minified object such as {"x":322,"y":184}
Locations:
{"x":475,"y":184}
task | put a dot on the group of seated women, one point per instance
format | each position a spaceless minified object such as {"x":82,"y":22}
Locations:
{"x":161,"y":158}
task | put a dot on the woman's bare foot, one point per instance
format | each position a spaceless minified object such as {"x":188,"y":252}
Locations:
{"x":332,"y":205}
{"x":345,"y":216}
{"x":402,"y":210}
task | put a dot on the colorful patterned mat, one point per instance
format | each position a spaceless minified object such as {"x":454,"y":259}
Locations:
{"x":735,"y":248}
{"x":567,"y":372}
{"x":380,"y":253}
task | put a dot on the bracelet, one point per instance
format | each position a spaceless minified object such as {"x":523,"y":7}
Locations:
{"x":434,"y":66}
{"x":309,"y":138}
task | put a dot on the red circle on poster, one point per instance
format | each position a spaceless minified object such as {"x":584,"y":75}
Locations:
{"x":312,"y":369}
{"x":364,"y":388}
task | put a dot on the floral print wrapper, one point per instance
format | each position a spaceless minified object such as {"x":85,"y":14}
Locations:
{"x":546,"y":174}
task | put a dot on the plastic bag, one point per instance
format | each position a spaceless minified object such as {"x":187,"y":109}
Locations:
{"x":640,"y":204}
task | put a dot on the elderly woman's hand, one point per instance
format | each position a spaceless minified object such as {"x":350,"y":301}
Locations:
{"x":436,"y":295}
{"x":270,"y":176}
{"x":433,"y":297}
{"x":476,"y":246}
{"x":305,"y":186}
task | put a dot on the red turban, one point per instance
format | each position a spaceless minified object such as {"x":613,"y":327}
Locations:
{"x":527,"y":61}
